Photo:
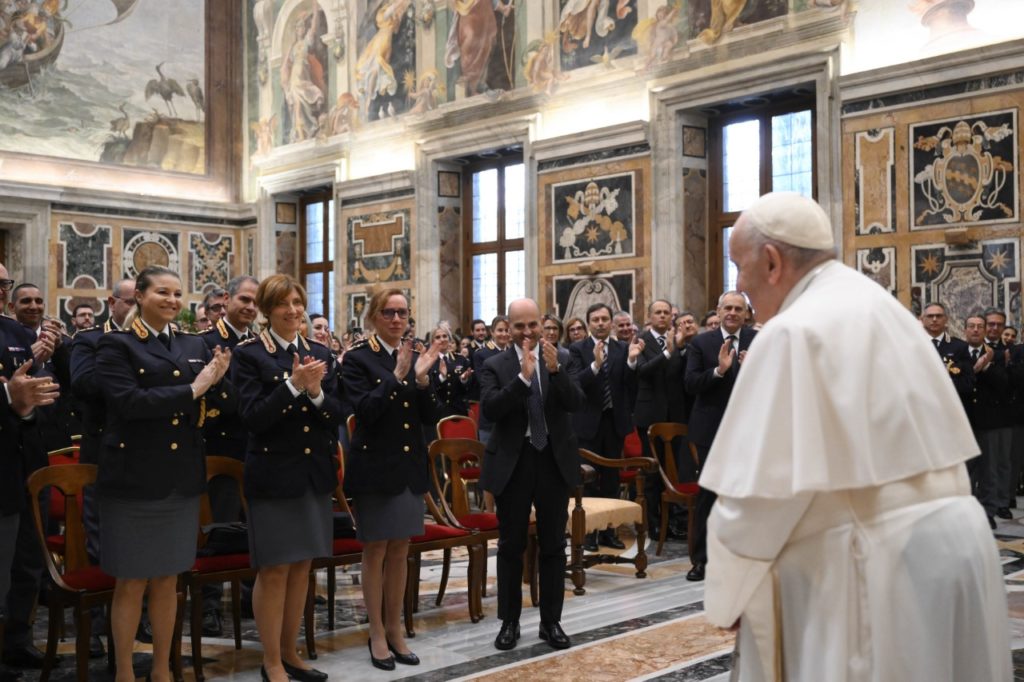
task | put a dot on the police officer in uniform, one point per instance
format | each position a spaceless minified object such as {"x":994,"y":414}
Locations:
{"x":224,"y":432}
{"x":450,"y":376}
{"x":388,"y":386}
{"x":286,"y":399}
{"x":157,"y":386}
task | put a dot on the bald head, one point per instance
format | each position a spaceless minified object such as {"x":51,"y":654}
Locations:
{"x":524,"y":322}
{"x":776,"y":241}
{"x":121,"y":301}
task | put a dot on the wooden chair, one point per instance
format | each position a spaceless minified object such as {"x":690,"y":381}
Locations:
{"x":631,"y":447}
{"x":587,"y":514}
{"x":80,"y":585}
{"x":458,"y":426}
{"x":57,"y":502}
{"x":455,"y":451}
{"x":675,"y":491}
{"x":218,"y":568}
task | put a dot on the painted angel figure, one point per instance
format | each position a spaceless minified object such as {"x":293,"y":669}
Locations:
{"x":580,"y":19}
{"x":540,"y":65}
{"x":472,"y":37}
{"x":302,"y":79}
{"x":374,"y":74}
{"x":426,"y":93}
{"x":658,"y":36}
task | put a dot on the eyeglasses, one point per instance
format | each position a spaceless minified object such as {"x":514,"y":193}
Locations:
{"x":576,"y":329}
{"x":6,"y":284}
{"x":391,"y":313}
{"x":215,"y":307}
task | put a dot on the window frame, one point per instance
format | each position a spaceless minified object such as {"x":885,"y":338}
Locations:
{"x":499,"y":246}
{"x":719,"y":220}
{"x":325,"y":266}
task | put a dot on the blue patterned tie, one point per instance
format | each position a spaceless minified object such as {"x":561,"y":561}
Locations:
{"x":535,"y":408}
{"x":604,"y":374}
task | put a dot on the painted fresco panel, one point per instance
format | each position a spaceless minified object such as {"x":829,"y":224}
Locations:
{"x":595,"y":31}
{"x":387,"y":53}
{"x":710,"y":20}
{"x":480,"y":49}
{"x":304,"y":75}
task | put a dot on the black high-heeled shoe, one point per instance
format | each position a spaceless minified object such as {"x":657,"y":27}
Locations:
{"x":263,"y":674}
{"x":303,"y":674}
{"x":382,"y":663}
{"x":405,"y":659}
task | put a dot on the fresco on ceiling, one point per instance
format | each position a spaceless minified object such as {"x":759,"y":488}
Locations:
{"x":596,"y":31}
{"x":303,"y":76}
{"x":480,"y":50}
{"x":386,"y":64}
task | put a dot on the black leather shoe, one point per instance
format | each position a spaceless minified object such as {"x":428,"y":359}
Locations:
{"x":382,"y":663}
{"x":992,"y":522}
{"x":96,"y":649}
{"x":696,"y":573}
{"x":145,"y":632}
{"x":1004,"y":513}
{"x":508,"y":635}
{"x":608,"y":539}
{"x":304,"y":674}
{"x":590,"y":542}
{"x":553,"y":634}
{"x":405,"y":659}
{"x":676,"y":532}
{"x":211,"y":624}
{"x":24,"y":656}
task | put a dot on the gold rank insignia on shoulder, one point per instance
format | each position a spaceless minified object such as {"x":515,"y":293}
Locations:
{"x":222,"y":329}
{"x":304,"y":342}
{"x":490,"y":345}
{"x":953,"y":369}
{"x":140,"y":329}
{"x":374,"y":343}
{"x":107,"y":326}
{"x":268,"y":342}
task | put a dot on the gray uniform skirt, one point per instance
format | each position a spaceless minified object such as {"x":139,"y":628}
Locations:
{"x":148,"y":538}
{"x":286,"y":531}
{"x":388,"y":517}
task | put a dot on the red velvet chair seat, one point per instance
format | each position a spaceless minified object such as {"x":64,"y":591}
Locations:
{"x":470,"y":473}
{"x":347,"y":546}
{"x":55,"y":543}
{"x":434,"y":532}
{"x":92,"y":579}
{"x":687,"y":488}
{"x":220,"y":562}
{"x":479,"y":521}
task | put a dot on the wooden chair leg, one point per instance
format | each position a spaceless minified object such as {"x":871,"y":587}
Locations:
{"x":196,"y":619}
{"x":332,"y":586}
{"x":641,"y":551}
{"x":83,"y":628}
{"x":663,"y":531}
{"x":308,"y":616}
{"x":56,"y":613}
{"x":236,"y":611}
{"x":179,"y":618}
{"x":445,"y":569}
{"x":474,"y":574}
{"x":410,"y":588}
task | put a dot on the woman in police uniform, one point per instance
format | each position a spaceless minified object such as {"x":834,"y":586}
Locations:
{"x":450,"y":378}
{"x":286,"y":397}
{"x":388,"y":387}
{"x":156,"y":385}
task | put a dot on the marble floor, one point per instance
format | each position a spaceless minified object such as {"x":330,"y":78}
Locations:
{"x":623,"y":628}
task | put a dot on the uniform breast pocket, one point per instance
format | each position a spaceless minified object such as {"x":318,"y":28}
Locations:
{"x":196,"y":365}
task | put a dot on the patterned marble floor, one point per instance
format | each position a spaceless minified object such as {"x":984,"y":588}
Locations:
{"x":622,"y":629}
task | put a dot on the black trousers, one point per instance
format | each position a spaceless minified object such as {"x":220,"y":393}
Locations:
{"x":705,"y":501}
{"x":26,"y":575}
{"x":536,"y":481}
{"x":607,"y":443}
{"x":652,"y":480}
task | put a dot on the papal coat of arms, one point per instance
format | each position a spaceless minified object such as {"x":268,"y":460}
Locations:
{"x":593,"y":218}
{"x":964,"y":171}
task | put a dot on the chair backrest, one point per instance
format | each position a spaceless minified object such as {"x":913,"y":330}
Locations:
{"x":68,"y":455}
{"x":454,"y":451}
{"x":660,"y":436}
{"x":220,"y":466}
{"x":474,"y":410}
{"x":70,"y":480}
{"x":631,"y":446}
{"x":61,"y":457}
{"x":457,"y":426}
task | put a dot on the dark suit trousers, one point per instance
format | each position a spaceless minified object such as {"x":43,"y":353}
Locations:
{"x":705,"y":501}
{"x":607,"y":443}
{"x":26,"y":575}
{"x":652,"y":479}
{"x":535,"y":481}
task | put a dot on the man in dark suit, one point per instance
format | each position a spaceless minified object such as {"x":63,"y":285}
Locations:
{"x":531,"y":460}
{"x":712,"y":364}
{"x":603,"y":366}
{"x":224,"y":432}
{"x":953,"y":351}
{"x":659,"y":390}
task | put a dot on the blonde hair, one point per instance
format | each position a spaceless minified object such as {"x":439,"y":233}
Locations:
{"x":379,"y":300}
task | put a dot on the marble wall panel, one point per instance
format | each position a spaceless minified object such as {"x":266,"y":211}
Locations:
{"x":695,"y":230}
{"x":875,"y":181}
{"x":284,"y":251}
{"x":211,"y":256}
{"x":83,"y":253}
{"x":964,"y":171}
{"x":880,"y":265}
{"x":449,"y":227}
{"x":593,"y":218}
{"x":968,"y":278}
{"x":142,"y":248}
{"x":573,"y":294}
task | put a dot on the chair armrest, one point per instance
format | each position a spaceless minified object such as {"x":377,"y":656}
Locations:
{"x":645,"y":463}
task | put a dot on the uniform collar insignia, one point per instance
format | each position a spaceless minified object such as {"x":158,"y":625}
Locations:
{"x":140,"y":329}
{"x":491,"y":345}
{"x":304,"y":342}
{"x":268,"y":342}
{"x":374,"y":343}
{"x":107,"y":326}
{"x":223,"y":329}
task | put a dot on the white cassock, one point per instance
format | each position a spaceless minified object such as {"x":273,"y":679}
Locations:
{"x":845,"y":533}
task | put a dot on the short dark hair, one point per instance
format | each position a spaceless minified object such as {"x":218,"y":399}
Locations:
{"x":474,"y":323}
{"x":23,"y":285}
{"x":235,"y":284}
{"x":932,"y":304}
{"x":215,"y":292}
{"x":995,"y":311}
{"x":74,"y":313}
{"x":594,"y":307}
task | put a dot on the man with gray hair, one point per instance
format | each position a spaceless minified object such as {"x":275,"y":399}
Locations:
{"x":215,"y":303}
{"x":845,"y":543}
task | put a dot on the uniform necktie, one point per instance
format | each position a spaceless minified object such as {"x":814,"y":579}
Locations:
{"x":292,"y":350}
{"x":936,"y":342}
{"x":164,"y":339}
{"x":535,"y":409}
{"x":975,"y":352}
{"x":731,"y":337}
{"x":661,"y":342}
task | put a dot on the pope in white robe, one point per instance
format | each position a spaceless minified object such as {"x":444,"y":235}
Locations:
{"x":845,"y":541}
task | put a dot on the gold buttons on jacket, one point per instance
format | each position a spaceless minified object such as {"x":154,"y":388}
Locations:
{"x":405,"y":404}
{"x":224,"y":395}
{"x":121,"y":445}
{"x":305,"y":409}
{"x":142,"y":370}
{"x":305,"y":429}
{"x":176,"y":373}
{"x":307,"y":451}
{"x":405,"y":448}
{"x":174,"y":422}
{"x":174,"y":446}
{"x":405,"y":426}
